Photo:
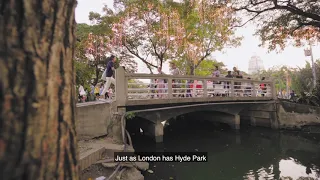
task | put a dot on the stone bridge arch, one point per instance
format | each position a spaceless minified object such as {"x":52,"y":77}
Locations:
{"x":156,"y":116}
{"x":160,"y":115}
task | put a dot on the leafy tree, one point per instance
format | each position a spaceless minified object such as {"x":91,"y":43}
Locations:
{"x":96,"y":53}
{"x":157,"y":31}
{"x":84,"y":74}
{"x":147,"y":30}
{"x":279,"y":74}
{"x":279,"y":20}
{"x":206,"y":28}
{"x":205,"y":68}
{"x":303,"y":79}
{"x":106,"y":26}
{"x":95,"y":44}
{"x":37,"y":104}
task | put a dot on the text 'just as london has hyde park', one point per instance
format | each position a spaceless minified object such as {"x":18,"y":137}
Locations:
{"x":161,"y":157}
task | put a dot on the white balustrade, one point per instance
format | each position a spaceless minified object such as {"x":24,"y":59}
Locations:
{"x":166,"y":87}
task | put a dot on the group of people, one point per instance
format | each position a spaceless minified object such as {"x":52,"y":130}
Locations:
{"x":101,"y":90}
{"x":159,"y":86}
{"x":93,"y":93}
{"x":240,"y":88}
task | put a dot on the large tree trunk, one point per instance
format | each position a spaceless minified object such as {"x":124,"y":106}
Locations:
{"x":191,"y":70}
{"x":37,"y":107}
{"x":96,"y":79}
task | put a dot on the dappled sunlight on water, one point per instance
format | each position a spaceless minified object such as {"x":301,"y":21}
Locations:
{"x":290,"y":168}
{"x":262,"y":173}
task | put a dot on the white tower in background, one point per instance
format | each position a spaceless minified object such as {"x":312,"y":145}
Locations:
{"x":255,"y":65}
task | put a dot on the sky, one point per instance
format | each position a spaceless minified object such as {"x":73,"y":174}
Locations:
{"x":240,"y":56}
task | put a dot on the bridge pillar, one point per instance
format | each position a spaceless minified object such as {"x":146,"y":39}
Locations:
{"x":274,"y":120}
{"x":253,"y":121}
{"x":238,"y":138}
{"x":156,"y":131}
{"x":236,"y":122}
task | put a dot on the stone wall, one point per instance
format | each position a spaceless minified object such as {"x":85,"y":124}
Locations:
{"x":297,"y":116}
{"x":263,"y":115}
{"x":93,"y":119}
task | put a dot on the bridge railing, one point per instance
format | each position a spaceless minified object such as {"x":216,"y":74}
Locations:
{"x":133,"y":87}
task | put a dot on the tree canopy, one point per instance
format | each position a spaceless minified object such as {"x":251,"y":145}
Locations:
{"x":94,"y":45}
{"x":158,"y":31}
{"x":303,"y":79}
{"x":298,"y":79}
{"x":280,"y":21}
{"x":205,"y":68}
{"x":279,"y":75}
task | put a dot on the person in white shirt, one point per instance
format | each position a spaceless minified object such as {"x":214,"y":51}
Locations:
{"x":110,"y":93}
{"x":82,"y":94}
{"x":215,"y":73}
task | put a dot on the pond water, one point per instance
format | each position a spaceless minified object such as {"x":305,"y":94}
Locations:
{"x":250,"y":154}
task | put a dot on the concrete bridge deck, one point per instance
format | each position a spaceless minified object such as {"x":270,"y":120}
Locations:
{"x":150,"y":89}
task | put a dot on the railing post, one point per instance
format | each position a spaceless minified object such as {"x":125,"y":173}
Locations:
{"x":254,"y":90}
{"x":232,"y":88}
{"x":169,"y":88}
{"x":121,"y":87}
{"x":273,"y":90}
{"x":205,"y":88}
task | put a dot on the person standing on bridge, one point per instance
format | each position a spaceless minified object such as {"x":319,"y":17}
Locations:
{"x":215,"y":73}
{"x":175,"y":83}
{"x":263,"y":87}
{"x":227,"y":84}
{"x":161,"y":85}
{"x":108,"y":75}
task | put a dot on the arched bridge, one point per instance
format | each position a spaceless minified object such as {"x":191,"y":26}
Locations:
{"x":156,"y":89}
{"x":157,"y":98}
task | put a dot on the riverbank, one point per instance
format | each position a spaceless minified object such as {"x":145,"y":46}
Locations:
{"x":96,"y":161}
{"x":98,"y":171}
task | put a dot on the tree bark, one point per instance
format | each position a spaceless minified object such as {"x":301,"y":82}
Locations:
{"x":96,"y":80}
{"x":37,"y":106}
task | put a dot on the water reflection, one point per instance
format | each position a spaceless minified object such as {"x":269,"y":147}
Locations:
{"x":290,"y":170}
{"x":251,"y":154}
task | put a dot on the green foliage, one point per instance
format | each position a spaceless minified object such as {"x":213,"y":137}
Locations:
{"x":301,"y":82}
{"x":130,"y":115}
{"x":278,"y":75}
{"x":303,"y":85}
{"x":279,"y":21}
{"x":99,"y":42}
{"x":93,"y":61}
{"x":207,"y":28}
{"x":84,"y":74}
{"x":303,"y":79}
{"x":134,"y":83}
{"x":205,"y":68}
{"x":156,"y":31}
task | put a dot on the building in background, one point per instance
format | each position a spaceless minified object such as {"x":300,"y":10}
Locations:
{"x":255,"y":65}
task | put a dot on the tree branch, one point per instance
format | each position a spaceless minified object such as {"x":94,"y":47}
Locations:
{"x":203,"y":58}
{"x":289,"y":7}
{"x":138,"y":56}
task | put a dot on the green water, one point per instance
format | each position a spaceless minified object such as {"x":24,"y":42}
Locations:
{"x":251,"y":154}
